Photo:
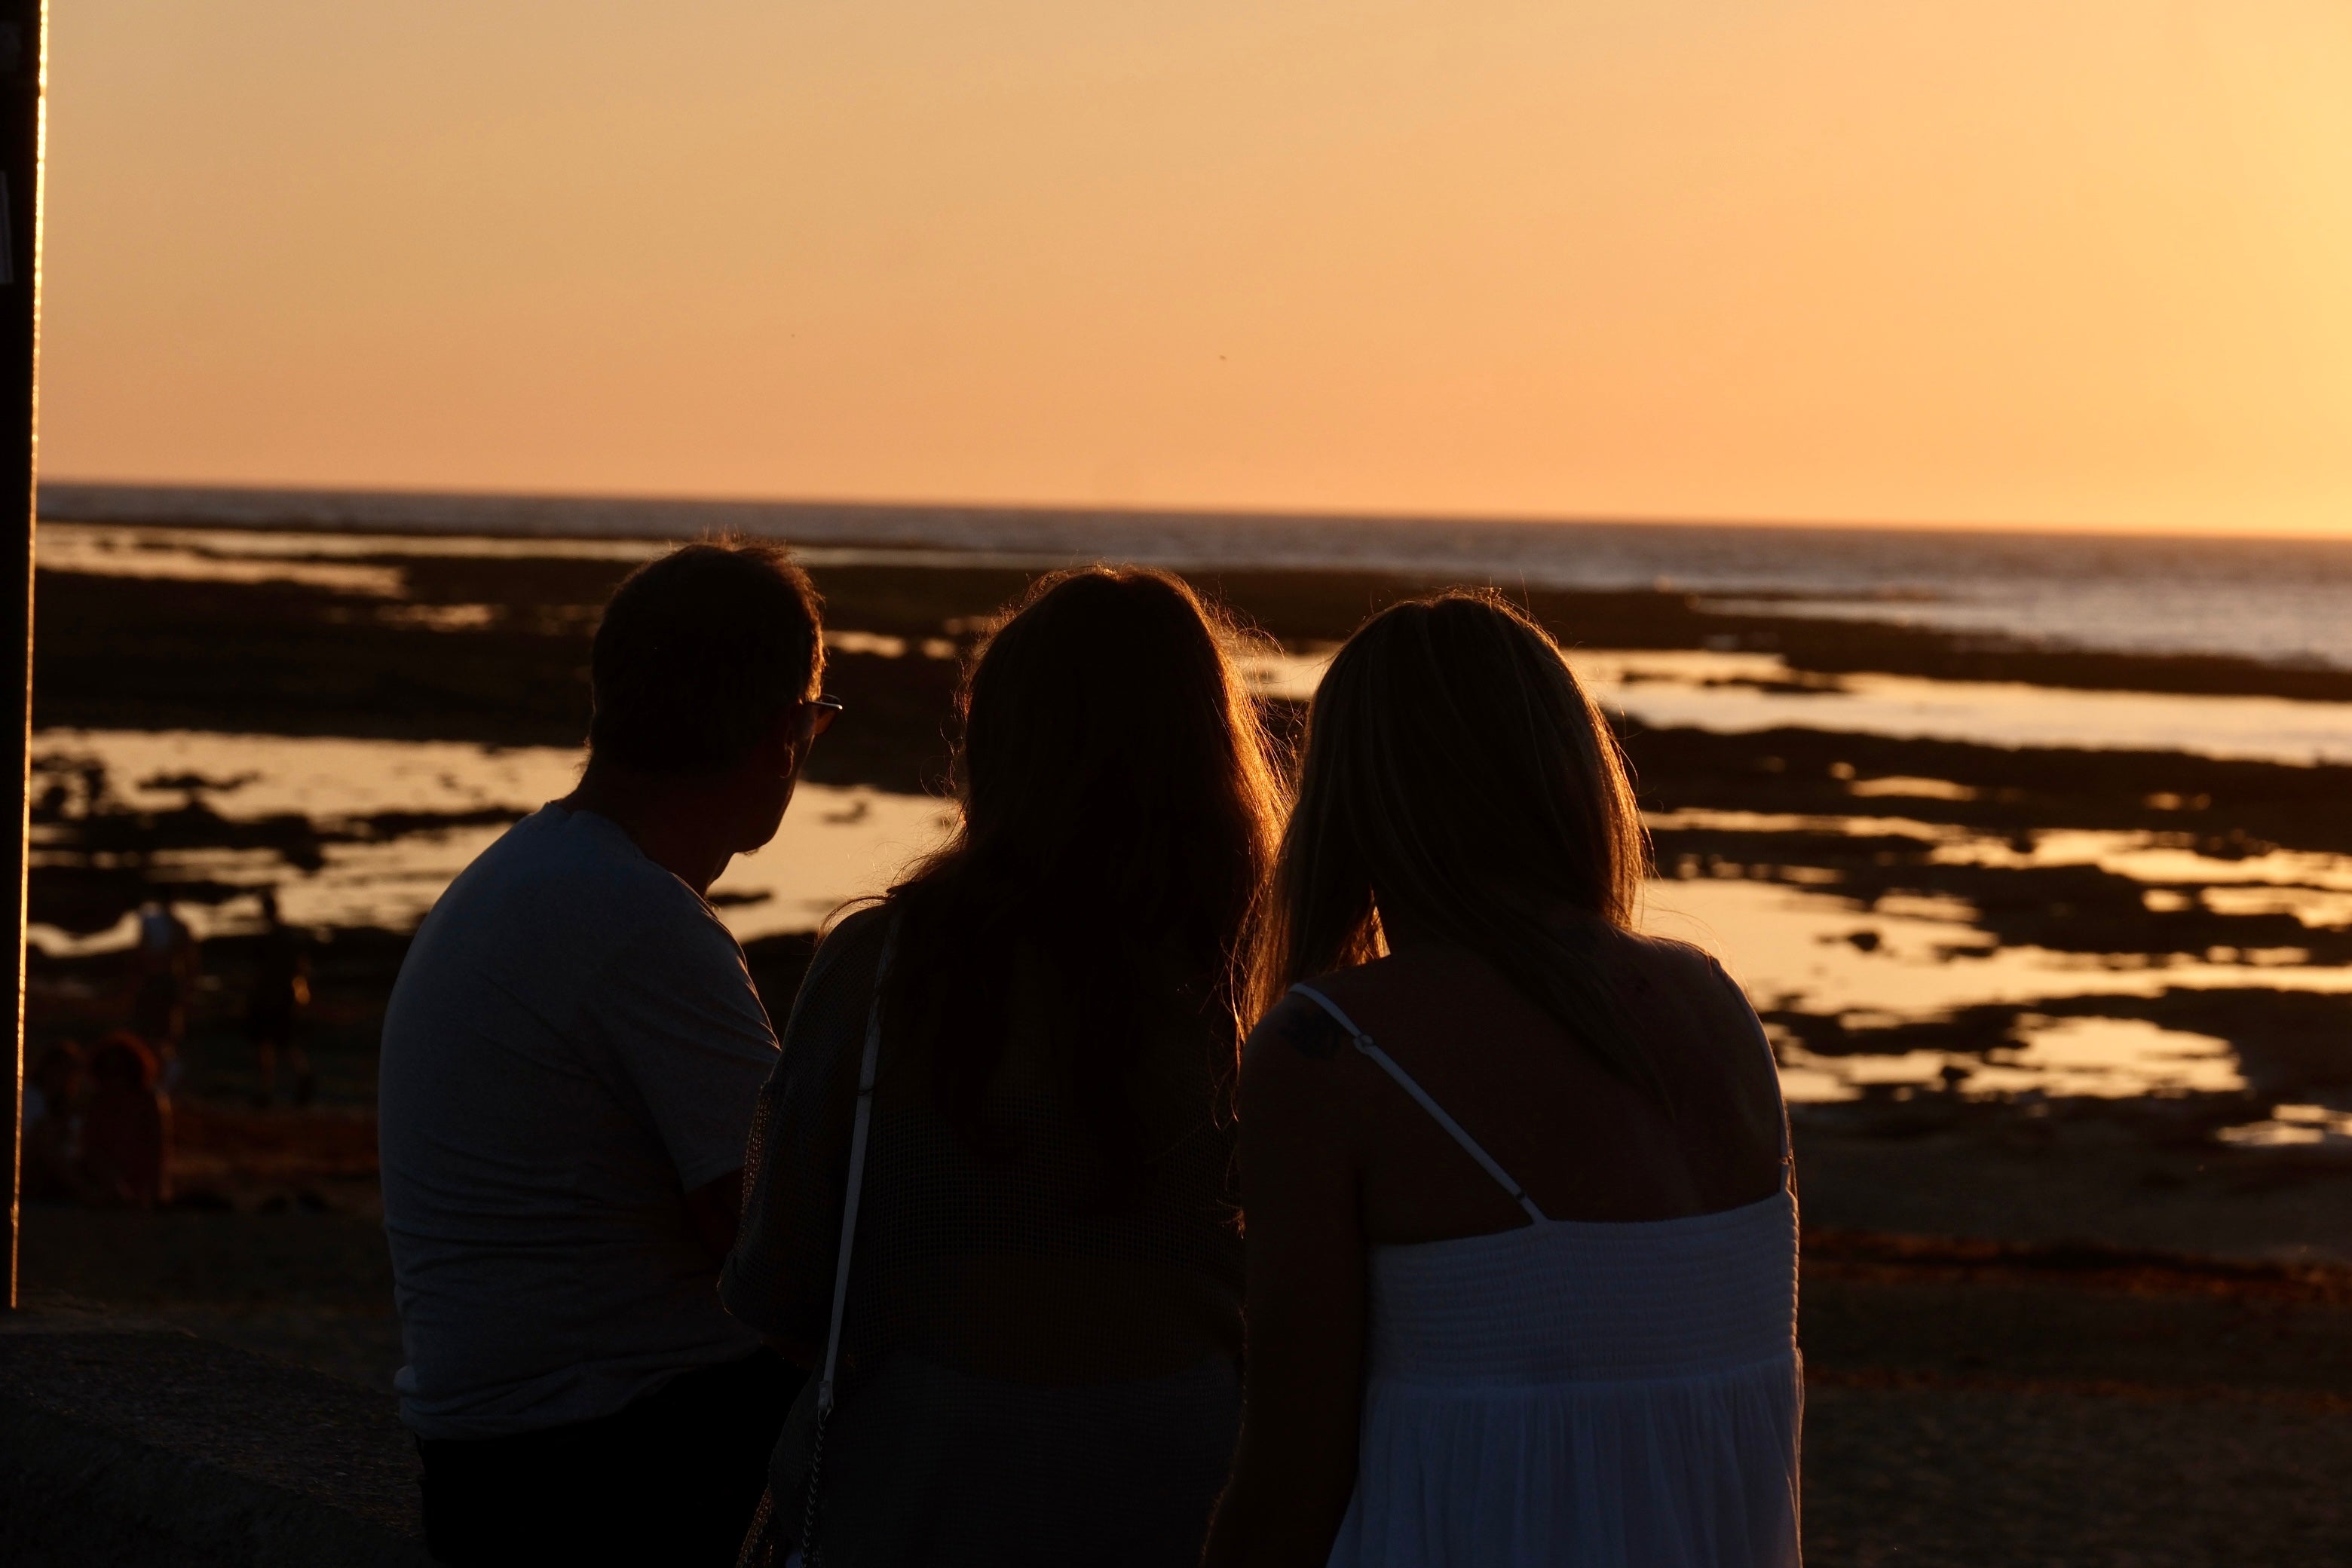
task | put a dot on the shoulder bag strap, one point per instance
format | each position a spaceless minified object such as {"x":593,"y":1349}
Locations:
{"x":861,"y":1130}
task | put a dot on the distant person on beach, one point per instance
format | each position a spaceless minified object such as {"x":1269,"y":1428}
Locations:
{"x":1038,"y":1359}
{"x":282,"y":990}
{"x":571,"y":1057}
{"x":126,"y":1126}
{"x":55,"y":1095}
{"x":164,"y":966}
{"x":1522,"y":1236}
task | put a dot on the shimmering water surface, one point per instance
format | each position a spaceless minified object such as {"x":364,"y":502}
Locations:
{"x":835,"y":845}
{"x":1808,"y":948}
{"x":1806,"y":944}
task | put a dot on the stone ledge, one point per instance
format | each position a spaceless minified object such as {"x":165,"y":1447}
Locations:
{"x":128,"y":1444}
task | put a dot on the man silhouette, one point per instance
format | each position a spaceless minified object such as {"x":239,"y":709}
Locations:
{"x":570,"y":1062}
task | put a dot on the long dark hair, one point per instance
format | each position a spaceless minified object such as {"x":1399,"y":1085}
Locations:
{"x":1457,"y":772}
{"x":1119,"y":818}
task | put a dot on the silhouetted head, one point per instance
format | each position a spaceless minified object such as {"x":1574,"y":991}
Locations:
{"x":705,"y":679}
{"x":1118,"y":817}
{"x":1460,"y":783}
{"x":1105,"y":736}
{"x":701,"y":654}
{"x":270,"y":905}
{"x":121,"y":1060}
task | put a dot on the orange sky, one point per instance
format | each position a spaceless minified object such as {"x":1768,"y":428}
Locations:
{"x":2004,"y":262}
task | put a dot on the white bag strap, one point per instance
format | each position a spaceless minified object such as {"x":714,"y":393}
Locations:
{"x":860,"y":1129}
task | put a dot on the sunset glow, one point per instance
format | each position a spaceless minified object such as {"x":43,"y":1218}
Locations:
{"x":2078,"y":265}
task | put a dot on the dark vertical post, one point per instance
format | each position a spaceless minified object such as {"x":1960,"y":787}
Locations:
{"x":24,"y":77}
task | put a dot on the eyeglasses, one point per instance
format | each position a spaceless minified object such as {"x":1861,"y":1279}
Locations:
{"x":822,"y":712}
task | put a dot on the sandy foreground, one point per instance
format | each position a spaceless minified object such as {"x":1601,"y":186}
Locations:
{"x":1991,"y":1400}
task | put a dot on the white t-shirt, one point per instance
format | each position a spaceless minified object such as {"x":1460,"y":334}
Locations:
{"x":573,"y":1045}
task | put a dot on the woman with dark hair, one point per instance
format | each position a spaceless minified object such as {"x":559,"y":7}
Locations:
{"x":1522,"y":1242}
{"x":1034,"y":1356}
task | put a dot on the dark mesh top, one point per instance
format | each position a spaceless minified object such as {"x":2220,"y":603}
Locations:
{"x":1029,"y":1373}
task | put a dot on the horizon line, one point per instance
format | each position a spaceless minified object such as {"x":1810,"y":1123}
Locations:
{"x":494,"y":495}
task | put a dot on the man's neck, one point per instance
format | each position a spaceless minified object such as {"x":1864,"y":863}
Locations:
{"x":669,"y":820}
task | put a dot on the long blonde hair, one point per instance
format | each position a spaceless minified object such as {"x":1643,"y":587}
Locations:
{"x":1456,"y":769}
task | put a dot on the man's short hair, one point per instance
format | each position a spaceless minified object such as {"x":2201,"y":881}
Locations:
{"x":700,"y":654}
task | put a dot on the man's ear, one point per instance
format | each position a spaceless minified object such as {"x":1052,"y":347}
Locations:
{"x":780,"y":750}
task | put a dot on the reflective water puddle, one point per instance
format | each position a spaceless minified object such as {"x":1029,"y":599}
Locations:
{"x":1744,"y":693}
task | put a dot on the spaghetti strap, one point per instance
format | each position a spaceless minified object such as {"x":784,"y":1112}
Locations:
{"x":1387,"y":1065}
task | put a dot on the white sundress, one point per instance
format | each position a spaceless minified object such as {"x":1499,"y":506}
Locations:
{"x":1584,"y":1392}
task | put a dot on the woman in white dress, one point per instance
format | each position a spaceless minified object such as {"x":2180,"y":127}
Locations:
{"x":1521,"y":1228}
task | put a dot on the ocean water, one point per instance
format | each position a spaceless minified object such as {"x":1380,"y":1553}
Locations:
{"x":1727,"y":692}
{"x":1797,"y":939}
{"x":2284,"y":601}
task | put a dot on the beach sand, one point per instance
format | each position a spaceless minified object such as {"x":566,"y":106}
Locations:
{"x":1962,"y":1408}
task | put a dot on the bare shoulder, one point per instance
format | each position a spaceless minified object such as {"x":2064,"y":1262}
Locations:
{"x":1296,"y":1026}
{"x":1366,"y":991}
{"x":1663,"y":952}
{"x":1295,"y":1076}
{"x":1664,"y":967}
{"x":1685,"y":989}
